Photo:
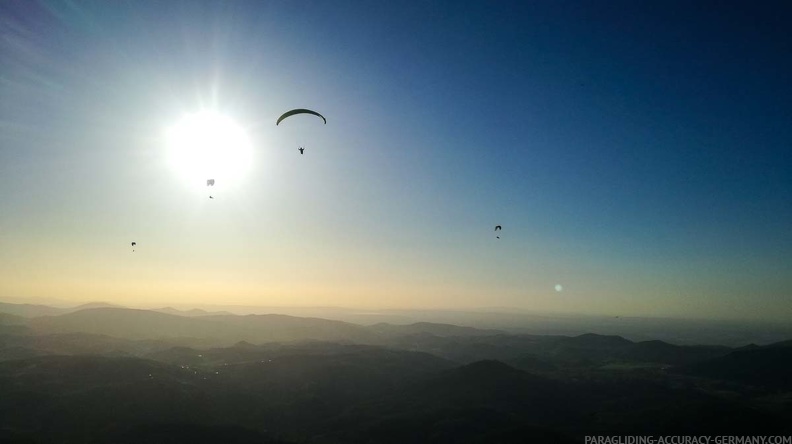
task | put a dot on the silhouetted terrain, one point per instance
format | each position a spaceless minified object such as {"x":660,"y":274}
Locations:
{"x":767,"y":366}
{"x":111,"y":374}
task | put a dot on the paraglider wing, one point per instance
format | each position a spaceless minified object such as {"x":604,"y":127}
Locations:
{"x":134,"y":243}
{"x":210,"y":183}
{"x":299,"y":111}
{"x":497,"y":227}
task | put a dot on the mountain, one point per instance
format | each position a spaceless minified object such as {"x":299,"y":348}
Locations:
{"x":214,"y":329}
{"x":275,"y":328}
{"x":768,"y":366}
{"x":491,"y":382}
{"x":14,"y":346}
{"x":465,"y":404}
{"x":30,"y":310}
{"x":442,"y":330}
{"x":669,"y":354}
{"x":93,"y":398}
{"x":12,"y":325}
{"x":80,"y":398}
{"x":124,"y":323}
{"x":543,"y":353}
{"x":193,"y":312}
{"x":90,"y":305}
{"x":10,"y":319}
{"x":600,"y":342}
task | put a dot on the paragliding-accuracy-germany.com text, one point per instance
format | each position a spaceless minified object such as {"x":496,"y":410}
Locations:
{"x":689,"y":439}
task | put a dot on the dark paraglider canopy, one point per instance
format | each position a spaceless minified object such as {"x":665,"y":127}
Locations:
{"x":299,"y":111}
{"x":134,"y":243}
{"x":497,"y":227}
{"x":210,"y":182}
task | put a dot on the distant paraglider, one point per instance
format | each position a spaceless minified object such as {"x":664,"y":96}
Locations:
{"x":299,"y":111}
{"x":301,"y":149}
{"x":210,"y":183}
{"x":497,"y":228}
{"x":133,"y":246}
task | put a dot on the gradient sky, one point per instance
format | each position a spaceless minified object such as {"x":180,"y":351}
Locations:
{"x":635,"y":153}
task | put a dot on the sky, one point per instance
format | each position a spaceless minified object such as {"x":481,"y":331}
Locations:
{"x":636,"y":155}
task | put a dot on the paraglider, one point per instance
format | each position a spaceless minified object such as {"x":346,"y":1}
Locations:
{"x":299,"y":111}
{"x":133,"y":246}
{"x":300,"y":148}
{"x":210,"y":183}
{"x":497,"y":228}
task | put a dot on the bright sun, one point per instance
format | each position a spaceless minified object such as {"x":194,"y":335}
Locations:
{"x":208,"y":146}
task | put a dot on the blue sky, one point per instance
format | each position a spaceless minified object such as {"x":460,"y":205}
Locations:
{"x":634,"y":152}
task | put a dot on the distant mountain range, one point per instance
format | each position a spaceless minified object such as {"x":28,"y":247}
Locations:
{"x":512,"y":321}
{"x":457,"y":343}
{"x":193,"y":312}
{"x":30,"y":310}
{"x":33,"y":311}
{"x":218,"y":329}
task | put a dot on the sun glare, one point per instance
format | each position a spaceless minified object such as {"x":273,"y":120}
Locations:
{"x":207,"y":146}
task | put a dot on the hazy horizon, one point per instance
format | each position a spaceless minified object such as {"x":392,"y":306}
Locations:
{"x":679,"y":331}
{"x":242,"y":309}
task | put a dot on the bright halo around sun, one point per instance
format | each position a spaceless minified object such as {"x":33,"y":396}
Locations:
{"x":207,"y":146}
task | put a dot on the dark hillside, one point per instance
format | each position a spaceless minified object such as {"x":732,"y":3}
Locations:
{"x":768,"y":366}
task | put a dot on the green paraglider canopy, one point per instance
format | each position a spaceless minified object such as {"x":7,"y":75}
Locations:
{"x":299,"y":111}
